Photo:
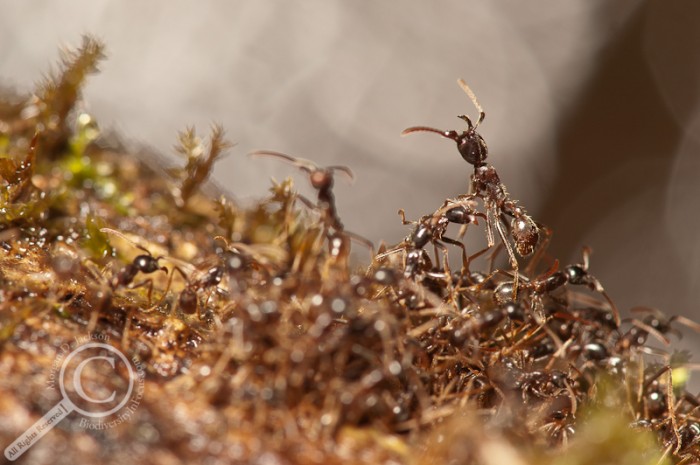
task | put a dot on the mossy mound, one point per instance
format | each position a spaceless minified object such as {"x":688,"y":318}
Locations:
{"x":256,"y":341}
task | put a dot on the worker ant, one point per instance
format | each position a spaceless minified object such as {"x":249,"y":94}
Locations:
{"x":487,"y":185}
{"x":322,"y":179}
{"x":143,"y":263}
{"x":231,"y":259}
{"x":553,"y":279}
{"x":432,"y":229}
{"x":654,"y":323}
{"x":485,"y":321}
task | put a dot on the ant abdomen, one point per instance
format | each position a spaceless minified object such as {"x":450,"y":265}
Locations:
{"x":526,"y":235}
{"x":503,"y":293}
{"x":460,"y":215}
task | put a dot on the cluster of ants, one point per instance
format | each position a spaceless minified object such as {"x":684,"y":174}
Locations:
{"x":537,"y":344}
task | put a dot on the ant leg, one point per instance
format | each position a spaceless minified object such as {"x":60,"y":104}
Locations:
{"x":146,"y":282}
{"x":445,"y":257}
{"x":362,"y":240}
{"x":687,"y":322}
{"x":653,"y":331}
{"x":613,"y":307}
{"x":489,"y":227}
{"x":465,"y":258}
{"x":167,"y":287}
{"x":306,"y":201}
{"x":388,"y":252}
{"x":402,"y":214}
{"x":511,"y":257}
{"x":669,"y":400}
{"x":493,"y":255}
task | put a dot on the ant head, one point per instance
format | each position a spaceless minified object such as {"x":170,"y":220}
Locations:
{"x":470,"y":144}
{"x":148,"y":264}
{"x":321,"y":179}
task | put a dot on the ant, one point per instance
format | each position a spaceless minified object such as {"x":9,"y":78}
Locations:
{"x":485,"y":321}
{"x":487,"y":185}
{"x":322,"y":179}
{"x":655,"y":323}
{"x":432,"y":229}
{"x":144,"y":263}
{"x":231,"y":260}
{"x":553,"y":279}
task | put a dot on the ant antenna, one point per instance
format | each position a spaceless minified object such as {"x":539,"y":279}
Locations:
{"x":305,"y":165}
{"x":123,"y":236}
{"x":472,"y":97}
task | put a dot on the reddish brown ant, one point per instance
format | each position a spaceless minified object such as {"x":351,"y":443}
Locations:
{"x":487,"y":185}
{"x":322,"y":179}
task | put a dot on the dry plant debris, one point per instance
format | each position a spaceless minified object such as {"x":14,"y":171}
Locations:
{"x":261,"y":344}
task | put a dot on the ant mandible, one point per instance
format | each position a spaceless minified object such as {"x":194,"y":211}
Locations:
{"x":487,"y":185}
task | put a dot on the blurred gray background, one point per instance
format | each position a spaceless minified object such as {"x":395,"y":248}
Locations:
{"x":592,"y":108}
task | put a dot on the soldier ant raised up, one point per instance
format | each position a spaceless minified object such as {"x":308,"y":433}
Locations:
{"x":322,"y":179}
{"x":487,"y":185}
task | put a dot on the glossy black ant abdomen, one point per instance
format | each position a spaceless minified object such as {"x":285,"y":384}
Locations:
{"x":596,"y":351}
{"x":503,"y":293}
{"x":460,"y":215}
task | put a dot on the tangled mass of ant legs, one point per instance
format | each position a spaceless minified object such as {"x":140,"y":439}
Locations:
{"x":252,"y":322}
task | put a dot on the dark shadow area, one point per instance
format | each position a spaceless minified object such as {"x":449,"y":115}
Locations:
{"x":618,"y":123}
